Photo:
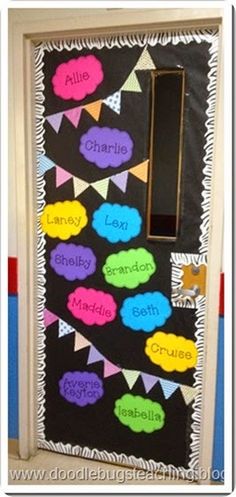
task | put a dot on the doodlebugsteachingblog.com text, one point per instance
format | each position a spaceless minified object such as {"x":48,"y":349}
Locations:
{"x":113,"y":476}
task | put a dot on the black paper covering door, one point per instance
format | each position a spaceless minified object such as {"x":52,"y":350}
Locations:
{"x":120,"y":317}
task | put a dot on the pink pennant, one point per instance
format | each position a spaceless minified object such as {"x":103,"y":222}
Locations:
{"x":74,"y":115}
{"x":49,"y":317}
{"x":62,"y":176}
{"x":110,"y":369}
{"x":55,"y":120}
{"x":120,"y":180}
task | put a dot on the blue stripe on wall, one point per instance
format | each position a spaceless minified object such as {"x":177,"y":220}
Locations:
{"x":218,"y":448}
{"x":12,"y":367}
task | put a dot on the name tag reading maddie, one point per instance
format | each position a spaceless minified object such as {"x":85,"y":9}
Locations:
{"x":92,"y":306}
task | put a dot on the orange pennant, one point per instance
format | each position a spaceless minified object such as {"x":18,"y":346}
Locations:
{"x":140,"y":171}
{"x":94,"y":109}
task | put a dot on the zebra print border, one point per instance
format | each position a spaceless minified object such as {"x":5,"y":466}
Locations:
{"x":151,"y":39}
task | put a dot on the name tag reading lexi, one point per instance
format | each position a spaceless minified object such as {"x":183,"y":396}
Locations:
{"x":63,"y":219}
{"x":117,"y":223}
{"x":106,"y":147}
{"x":77,"y":78}
{"x":92,"y":306}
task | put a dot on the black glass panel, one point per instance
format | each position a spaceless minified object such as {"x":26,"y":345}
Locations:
{"x":165,"y":160}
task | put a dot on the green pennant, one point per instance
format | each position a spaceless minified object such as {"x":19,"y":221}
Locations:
{"x":130,"y":376}
{"x":132,"y":83}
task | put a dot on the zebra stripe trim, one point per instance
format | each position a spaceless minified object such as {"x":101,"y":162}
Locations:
{"x":173,"y":37}
{"x":177,"y":262}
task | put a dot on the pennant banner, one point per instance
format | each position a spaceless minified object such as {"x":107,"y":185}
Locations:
{"x":121,"y":180}
{"x":94,"y":356}
{"x":45,"y":164}
{"x":64,"y":328}
{"x":62,"y":176}
{"x":132,"y":83}
{"x":130,"y":377}
{"x":145,"y":61}
{"x":94,"y":109}
{"x":188,"y":393}
{"x":148,"y":381}
{"x":101,"y":187}
{"x":140,"y":171}
{"x":113,"y":101}
{"x":79,"y":185}
{"x":80,"y":342}
{"x":73,"y":115}
{"x":55,"y":120}
{"x":49,"y":318}
{"x":168,"y":387}
{"x":110,"y":369}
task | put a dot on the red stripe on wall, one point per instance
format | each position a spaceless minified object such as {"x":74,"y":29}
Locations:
{"x":12,"y":275}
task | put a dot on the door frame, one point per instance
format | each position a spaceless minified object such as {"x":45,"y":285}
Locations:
{"x":67,"y":23}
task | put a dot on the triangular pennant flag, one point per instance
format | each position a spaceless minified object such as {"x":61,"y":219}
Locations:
{"x":188,"y":393}
{"x":131,"y":377}
{"x":131,"y":84}
{"x":140,"y":171}
{"x":94,"y":356}
{"x":145,"y":61}
{"x":114,"y":101}
{"x":79,"y":186}
{"x":101,"y":187}
{"x":94,"y":109}
{"x":73,"y":115}
{"x":168,"y":387}
{"x":45,"y":164}
{"x":149,"y":381}
{"x":64,"y":328}
{"x":110,"y":369}
{"x":55,"y":120}
{"x":49,"y":317}
{"x":80,"y":342}
{"x":120,"y":180}
{"x":62,"y":176}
